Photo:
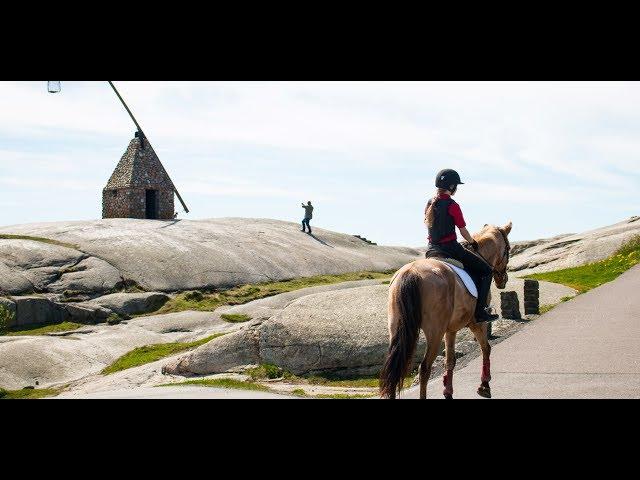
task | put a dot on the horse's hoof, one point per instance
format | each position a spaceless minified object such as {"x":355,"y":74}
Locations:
{"x":448,"y":396}
{"x":484,"y":392}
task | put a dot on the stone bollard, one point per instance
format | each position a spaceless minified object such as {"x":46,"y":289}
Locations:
{"x":531,"y":297}
{"x":510,"y":305}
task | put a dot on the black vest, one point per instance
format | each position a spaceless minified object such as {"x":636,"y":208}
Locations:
{"x":443,"y":224}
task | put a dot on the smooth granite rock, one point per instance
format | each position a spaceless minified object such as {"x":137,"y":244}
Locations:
{"x":338,"y":332}
{"x":565,"y":251}
{"x":178,"y":255}
{"x":127,"y":304}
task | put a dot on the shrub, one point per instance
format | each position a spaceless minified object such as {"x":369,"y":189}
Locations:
{"x":6,"y":318}
{"x":195,"y":296}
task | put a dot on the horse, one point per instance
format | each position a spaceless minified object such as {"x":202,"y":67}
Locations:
{"x":427,"y":294}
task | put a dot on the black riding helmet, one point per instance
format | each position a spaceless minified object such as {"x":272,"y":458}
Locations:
{"x":448,"y":179}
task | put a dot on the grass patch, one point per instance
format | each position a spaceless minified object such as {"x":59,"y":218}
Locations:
{"x":114,"y":319}
{"x":221,"y":383}
{"x":127,"y":285}
{"x":592,"y":275}
{"x":245,"y":293}
{"x":151,"y":353}
{"x":547,"y":307}
{"x":359,"y":382}
{"x":26,"y":393}
{"x":266,"y":371}
{"x":41,"y":329}
{"x":6,"y":236}
{"x":235,"y":317}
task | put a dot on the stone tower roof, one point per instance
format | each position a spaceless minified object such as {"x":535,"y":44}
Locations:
{"x":139,"y":167}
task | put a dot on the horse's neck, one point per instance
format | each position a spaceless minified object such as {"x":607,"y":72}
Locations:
{"x":491,"y":257}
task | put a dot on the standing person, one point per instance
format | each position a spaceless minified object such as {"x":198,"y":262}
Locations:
{"x":442,"y":215}
{"x":308,"y":215}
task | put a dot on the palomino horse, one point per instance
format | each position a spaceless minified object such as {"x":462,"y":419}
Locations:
{"x":427,"y":294}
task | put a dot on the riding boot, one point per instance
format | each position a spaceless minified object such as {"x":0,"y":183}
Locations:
{"x":482,"y":312}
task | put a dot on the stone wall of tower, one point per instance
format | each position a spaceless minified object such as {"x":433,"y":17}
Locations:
{"x":131,"y":203}
{"x":117,"y":203}
{"x":166,"y":207}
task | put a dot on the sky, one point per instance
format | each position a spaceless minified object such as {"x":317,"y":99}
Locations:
{"x":552,"y":157}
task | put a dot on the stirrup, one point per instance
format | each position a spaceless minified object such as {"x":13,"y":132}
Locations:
{"x":486,"y":315}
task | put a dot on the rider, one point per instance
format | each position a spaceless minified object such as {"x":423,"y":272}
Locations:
{"x":442,"y":214}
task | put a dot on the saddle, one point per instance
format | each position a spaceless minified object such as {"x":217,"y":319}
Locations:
{"x":456,"y":266}
{"x":452,"y":261}
{"x":434,"y":252}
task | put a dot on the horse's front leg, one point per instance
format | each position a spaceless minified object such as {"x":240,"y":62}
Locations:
{"x":450,"y":364}
{"x":480,"y":332}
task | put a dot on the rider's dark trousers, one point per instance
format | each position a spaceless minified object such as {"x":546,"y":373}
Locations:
{"x":479,"y":270}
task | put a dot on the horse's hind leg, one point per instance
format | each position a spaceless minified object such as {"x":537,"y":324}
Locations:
{"x":450,"y":364}
{"x":433,"y":347}
{"x":480,"y":332}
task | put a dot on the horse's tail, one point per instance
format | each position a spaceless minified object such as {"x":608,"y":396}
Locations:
{"x":403,"y":342}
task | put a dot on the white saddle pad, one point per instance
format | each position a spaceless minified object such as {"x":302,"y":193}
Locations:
{"x":466,"y":279}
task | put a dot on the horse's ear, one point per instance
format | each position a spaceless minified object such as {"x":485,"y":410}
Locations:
{"x":507,"y":228}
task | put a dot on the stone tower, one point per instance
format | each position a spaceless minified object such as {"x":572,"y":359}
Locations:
{"x":139,"y":187}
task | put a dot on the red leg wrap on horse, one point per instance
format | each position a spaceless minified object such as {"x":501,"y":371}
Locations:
{"x":486,"y":371}
{"x":447,"y":379}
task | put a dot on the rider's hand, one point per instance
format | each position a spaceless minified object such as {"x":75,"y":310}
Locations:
{"x":474,"y":245}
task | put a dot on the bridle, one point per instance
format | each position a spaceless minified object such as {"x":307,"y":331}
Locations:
{"x":507,"y":249}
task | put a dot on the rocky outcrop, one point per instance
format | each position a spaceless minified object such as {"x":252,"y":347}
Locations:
{"x":571,"y":250}
{"x":93,"y":257}
{"x":63,"y":357}
{"x":127,"y":304}
{"x":338,"y":332}
{"x":34,"y":310}
{"x":40,"y":310}
{"x":519,"y":247}
{"x":86,"y":314}
{"x":89,"y":275}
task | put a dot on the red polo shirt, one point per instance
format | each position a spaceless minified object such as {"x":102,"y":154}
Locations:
{"x":458,"y":219}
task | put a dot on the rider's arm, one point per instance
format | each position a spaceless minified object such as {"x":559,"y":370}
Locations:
{"x":466,"y":235}
{"x":458,"y":219}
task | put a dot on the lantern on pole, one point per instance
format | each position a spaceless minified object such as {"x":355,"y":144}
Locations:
{"x":53,"y":86}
